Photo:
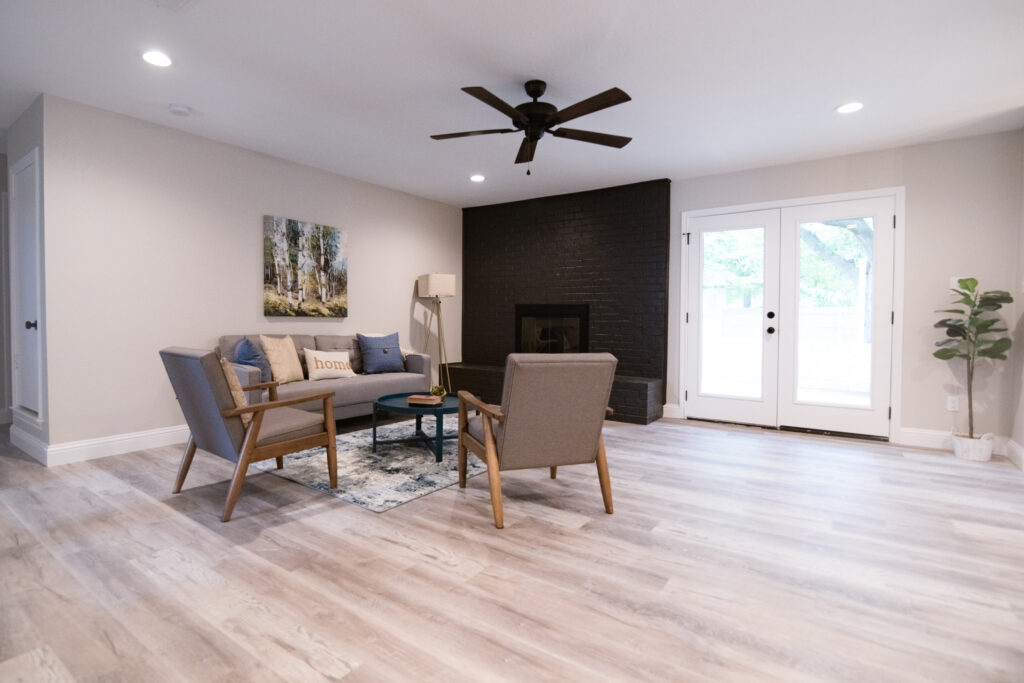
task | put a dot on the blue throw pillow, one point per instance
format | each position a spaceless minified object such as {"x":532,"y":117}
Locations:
{"x":249,"y":353}
{"x":381,"y":354}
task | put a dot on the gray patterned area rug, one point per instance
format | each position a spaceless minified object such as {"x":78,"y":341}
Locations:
{"x":395,"y":474}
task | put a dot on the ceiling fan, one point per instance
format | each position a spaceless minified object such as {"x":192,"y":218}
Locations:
{"x":536,"y":118}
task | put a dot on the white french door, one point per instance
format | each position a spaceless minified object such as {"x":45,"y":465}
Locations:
{"x":789,"y":316}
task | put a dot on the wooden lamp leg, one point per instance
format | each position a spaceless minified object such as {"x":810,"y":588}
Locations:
{"x":186,"y":462}
{"x":602,"y":476}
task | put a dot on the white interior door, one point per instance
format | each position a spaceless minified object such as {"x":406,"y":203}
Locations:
{"x":733,"y":290}
{"x":25,"y":234}
{"x":835,"y":338}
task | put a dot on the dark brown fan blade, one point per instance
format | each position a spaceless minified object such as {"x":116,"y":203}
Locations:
{"x":487,"y":97}
{"x":609,"y":98}
{"x":446,"y":136}
{"x":589,"y":136}
{"x":526,"y":151}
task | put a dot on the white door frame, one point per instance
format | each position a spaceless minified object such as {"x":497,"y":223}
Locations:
{"x":33,"y":158}
{"x":899,"y":257}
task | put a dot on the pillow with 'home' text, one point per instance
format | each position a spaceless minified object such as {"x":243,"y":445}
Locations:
{"x":328,"y":364}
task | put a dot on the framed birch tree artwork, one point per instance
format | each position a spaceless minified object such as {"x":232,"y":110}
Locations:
{"x":305,"y":269}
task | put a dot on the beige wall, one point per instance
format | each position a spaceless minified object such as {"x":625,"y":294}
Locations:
{"x":1018,"y":339}
{"x":963,"y":217}
{"x":154,"y":238}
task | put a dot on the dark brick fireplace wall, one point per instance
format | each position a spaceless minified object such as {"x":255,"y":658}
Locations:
{"x":607,"y":248}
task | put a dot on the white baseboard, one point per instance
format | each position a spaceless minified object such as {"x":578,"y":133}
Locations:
{"x":36,"y":448}
{"x":673,"y":410}
{"x":942,"y":440}
{"x":5,"y":416}
{"x":90,"y":449}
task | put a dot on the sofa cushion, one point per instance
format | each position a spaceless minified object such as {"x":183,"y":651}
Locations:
{"x":284,"y":359}
{"x":381,"y":354}
{"x":360,"y":389}
{"x":248,"y":352}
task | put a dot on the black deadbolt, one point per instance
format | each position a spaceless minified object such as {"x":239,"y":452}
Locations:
{"x":771,"y":314}
{"x":771,"y":330}
{"x":30,"y":325}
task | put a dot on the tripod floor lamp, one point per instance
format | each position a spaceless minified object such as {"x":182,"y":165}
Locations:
{"x":438,"y":286}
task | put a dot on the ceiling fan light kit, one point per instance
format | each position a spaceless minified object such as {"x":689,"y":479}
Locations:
{"x":536,"y":118}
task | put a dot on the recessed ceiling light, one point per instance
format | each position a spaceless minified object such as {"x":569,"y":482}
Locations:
{"x":157,"y":58}
{"x":179,"y":109}
{"x":477,"y":178}
{"x":849,"y":107}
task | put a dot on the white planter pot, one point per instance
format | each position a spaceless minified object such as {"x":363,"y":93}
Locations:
{"x":978,"y":449}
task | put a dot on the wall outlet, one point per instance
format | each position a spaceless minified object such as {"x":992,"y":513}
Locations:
{"x":952,"y":403}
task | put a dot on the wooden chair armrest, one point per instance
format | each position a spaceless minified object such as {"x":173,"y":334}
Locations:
{"x":487,"y":409}
{"x":270,"y":405}
{"x":608,"y":412}
{"x":261,"y":385}
{"x":271,"y":385}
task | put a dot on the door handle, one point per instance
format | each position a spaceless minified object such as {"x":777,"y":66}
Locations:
{"x":770,"y":330}
{"x":32,"y":325}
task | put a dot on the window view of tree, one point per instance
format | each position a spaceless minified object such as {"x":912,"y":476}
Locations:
{"x":305,"y":270}
{"x":734,"y":260}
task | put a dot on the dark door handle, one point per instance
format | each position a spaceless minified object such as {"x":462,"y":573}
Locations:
{"x":771,"y":314}
{"x":771,"y":330}
{"x":32,"y":325}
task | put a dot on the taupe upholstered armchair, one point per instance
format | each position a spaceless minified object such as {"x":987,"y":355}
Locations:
{"x":216,"y":425}
{"x":551,"y":413}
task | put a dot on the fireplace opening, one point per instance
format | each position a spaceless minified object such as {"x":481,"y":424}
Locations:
{"x":552,"y":328}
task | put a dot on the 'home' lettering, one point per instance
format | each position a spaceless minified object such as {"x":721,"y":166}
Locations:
{"x":331,"y":365}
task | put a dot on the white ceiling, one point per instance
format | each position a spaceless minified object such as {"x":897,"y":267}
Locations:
{"x":357,"y":86}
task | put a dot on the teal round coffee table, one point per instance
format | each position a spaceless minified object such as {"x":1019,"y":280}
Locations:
{"x":398,"y":403}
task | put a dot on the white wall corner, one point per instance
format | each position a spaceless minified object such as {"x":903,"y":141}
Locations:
{"x":90,"y":449}
{"x":673,"y":410}
{"x":5,"y":416}
{"x":1015,"y":453}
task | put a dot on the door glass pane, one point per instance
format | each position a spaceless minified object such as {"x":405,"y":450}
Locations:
{"x":833,"y":352}
{"x":732,"y":308}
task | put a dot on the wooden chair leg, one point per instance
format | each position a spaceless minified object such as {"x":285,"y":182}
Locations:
{"x":554,"y":471}
{"x":186,"y":462}
{"x":332,"y":443}
{"x":494,"y":477}
{"x":602,"y":476}
{"x":242,"y":466}
{"x":462,"y":463}
{"x":280,"y":462}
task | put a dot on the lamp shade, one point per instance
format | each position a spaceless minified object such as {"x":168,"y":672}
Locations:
{"x":436,"y":284}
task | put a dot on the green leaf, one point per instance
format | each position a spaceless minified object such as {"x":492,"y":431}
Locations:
{"x":947,"y":342}
{"x":951,"y":310}
{"x":989,"y":353}
{"x":968,"y":283}
{"x":997,"y":296}
{"x":945,"y":354}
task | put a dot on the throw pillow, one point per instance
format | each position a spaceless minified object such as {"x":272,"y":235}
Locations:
{"x":381,"y":354}
{"x":236,"y":390}
{"x":328,"y":364}
{"x":284,"y":360}
{"x":249,"y":353}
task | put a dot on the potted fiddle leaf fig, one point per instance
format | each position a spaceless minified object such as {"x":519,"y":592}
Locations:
{"x":973,"y":333}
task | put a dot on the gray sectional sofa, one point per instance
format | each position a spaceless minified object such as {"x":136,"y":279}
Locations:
{"x":353,"y":396}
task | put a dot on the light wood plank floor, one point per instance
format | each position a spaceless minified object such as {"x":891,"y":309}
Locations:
{"x":733,"y":554}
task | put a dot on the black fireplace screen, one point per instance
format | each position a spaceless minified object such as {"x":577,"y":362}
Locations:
{"x":551,"y":328}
